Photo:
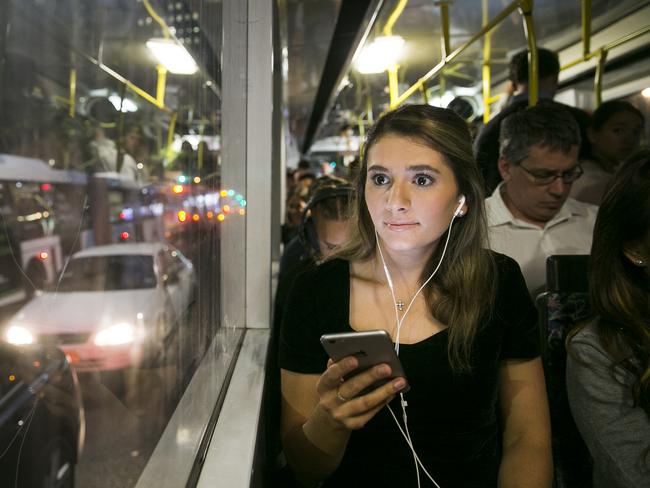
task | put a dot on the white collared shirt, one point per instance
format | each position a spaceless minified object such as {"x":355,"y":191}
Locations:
{"x":569,"y":232}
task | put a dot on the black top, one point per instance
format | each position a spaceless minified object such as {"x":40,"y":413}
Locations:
{"x":294,"y":254}
{"x":452,"y":418}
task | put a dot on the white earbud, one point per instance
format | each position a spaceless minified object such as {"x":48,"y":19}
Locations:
{"x":459,"y":210}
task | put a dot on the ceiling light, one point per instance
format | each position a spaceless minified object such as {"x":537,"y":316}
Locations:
{"x":127,"y":104}
{"x":173,"y":56}
{"x":380,"y":54}
{"x":646,"y":92}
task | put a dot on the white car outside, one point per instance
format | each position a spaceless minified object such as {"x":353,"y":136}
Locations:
{"x":112,"y":308}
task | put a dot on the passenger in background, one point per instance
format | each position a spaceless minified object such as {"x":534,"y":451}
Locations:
{"x":324,"y":224}
{"x":295,"y":205}
{"x":185,"y":161}
{"x":614,"y":135}
{"x":463,"y":322}
{"x":530,"y":215}
{"x":303,"y":167}
{"x":608,"y":368}
{"x":127,"y":163}
{"x":304,"y":184}
{"x":486,"y":145}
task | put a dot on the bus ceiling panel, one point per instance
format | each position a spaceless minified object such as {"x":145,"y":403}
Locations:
{"x":607,"y":35}
{"x":354,"y":21}
{"x":309,"y":30}
{"x":557,"y":25}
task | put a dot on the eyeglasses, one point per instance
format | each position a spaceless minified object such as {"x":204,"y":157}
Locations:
{"x":546,"y":177}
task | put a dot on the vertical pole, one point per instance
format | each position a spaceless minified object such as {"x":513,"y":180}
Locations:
{"x":199,"y":152}
{"x":160,"y":85}
{"x":170,"y":135}
{"x":526,"y":9}
{"x":247,"y":117}
{"x":5,"y":31}
{"x":73,"y":92}
{"x":370,"y":115}
{"x":586,"y":27}
{"x":444,"y":19}
{"x":487,"y":72}
{"x":393,"y":87}
{"x":598,"y":80}
{"x":425,"y":96}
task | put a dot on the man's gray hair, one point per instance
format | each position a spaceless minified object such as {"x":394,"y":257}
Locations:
{"x":547,"y":125}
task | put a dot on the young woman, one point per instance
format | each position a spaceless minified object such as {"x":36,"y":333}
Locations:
{"x":468,"y":340}
{"x":615,"y":133}
{"x":608,"y":367}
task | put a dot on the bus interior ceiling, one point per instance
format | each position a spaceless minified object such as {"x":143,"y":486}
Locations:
{"x":361,"y":97}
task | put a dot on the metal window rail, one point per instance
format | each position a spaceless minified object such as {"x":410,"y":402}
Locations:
{"x":525,"y":7}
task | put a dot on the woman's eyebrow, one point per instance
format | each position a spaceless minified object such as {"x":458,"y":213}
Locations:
{"x":423,"y":167}
{"x":413,"y":169}
{"x":378,"y":167}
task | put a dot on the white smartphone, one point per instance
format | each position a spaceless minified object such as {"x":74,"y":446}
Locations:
{"x":371,"y":348}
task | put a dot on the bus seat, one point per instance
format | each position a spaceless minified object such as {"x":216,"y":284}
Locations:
{"x":564,"y":305}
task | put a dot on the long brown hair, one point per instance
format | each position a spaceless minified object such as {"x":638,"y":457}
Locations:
{"x":461,"y":293}
{"x":619,"y":290}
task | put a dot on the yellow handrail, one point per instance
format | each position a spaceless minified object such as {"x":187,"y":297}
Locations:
{"x":608,"y":47}
{"x":73,"y":92}
{"x":397,"y":11}
{"x":425,"y":97}
{"x":444,"y":19}
{"x":161,"y":83}
{"x":135,"y":89}
{"x":163,"y":25}
{"x":598,"y":79}
{"x":162,"y":71}
{"x":393,"y":88}
{"x":486,"y":71}
{"x":437,"y":68}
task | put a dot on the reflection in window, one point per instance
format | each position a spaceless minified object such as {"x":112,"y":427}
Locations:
{"x":108,"y":273}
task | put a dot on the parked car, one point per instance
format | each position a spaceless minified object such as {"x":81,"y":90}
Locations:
{"x":112,"y":308}
{"x":41,"y":418}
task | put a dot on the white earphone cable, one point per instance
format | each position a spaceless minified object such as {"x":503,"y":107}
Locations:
{"x":405,"y":432}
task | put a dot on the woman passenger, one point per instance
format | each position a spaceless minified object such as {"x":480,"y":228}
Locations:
{"x":614,"y":135}
{"x":468,"y":341}
{"x":608,"y":366}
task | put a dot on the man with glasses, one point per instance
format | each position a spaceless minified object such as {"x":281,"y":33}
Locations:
{"x":530,"y":214}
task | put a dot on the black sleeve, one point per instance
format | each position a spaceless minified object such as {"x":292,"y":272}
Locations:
{"x":294,"y":253}
{"x":300,"y":348}
{"x":486,"y":152}
{"x":515,"y":310}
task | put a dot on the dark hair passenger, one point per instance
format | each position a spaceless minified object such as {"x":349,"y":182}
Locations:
{"x":614,"y":135}
{"x":608,"y":369}
{"x":460,"y":318}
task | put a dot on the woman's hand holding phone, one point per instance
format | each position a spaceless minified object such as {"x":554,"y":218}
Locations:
{"x":341,"y":399}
